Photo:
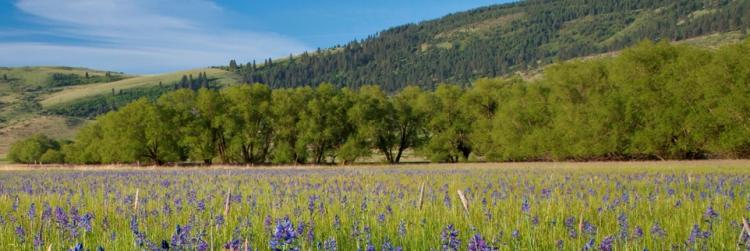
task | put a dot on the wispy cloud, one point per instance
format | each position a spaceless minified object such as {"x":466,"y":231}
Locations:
{"x":141,"y":36}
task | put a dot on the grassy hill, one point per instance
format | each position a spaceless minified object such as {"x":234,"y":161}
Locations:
{"x":72,"y":94}
{"x":21,"y":87}
{"x":499,"y":40}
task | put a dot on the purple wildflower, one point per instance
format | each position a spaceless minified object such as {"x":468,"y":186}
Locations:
{"x":202,"y":245}
{"x":525,"y":207}
{"x":607,"y":244}
{"x":46,"y":212}
{"x":201,"y":205}
{"x":589,"y":228}
{"x":32,"y":211}
{"x":330,"y":245}
{"x":622,"y":221}
{"x":387,"y":246}
{"x":589,"y":245}
{"x":311,"y":204}
{"x":234,"y":244}
{"x":219,"y":220}
{"x":710,"y":214}
{"x":180,"y":237}
{"x":381,"y":218}
{"x":38,"y":243}
{"x":695,"y":233}
{"x":637,"y":232}
{"x":60,"y":217}
{"x":477,"y":243}
{"x":20,"y":233}
{"x":449,"y":238}
{"x":336,"y":222}
{"x":86,"y":221}
{"x":284,"y":237}
{"x":657,"y":231}
{"x":77,"y":247}
{"x":402,"y":228}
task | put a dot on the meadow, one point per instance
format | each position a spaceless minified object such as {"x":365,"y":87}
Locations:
{"x":473,"y":206}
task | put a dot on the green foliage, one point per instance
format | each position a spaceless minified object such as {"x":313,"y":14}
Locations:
{"x":497,"y":40}
{"x":449,"y":125}
{"x":249,"y":122}
{"x":52,"y":156}
{"x":33,"y":150}
{"x":324,"y":125}
{"x":654,"y":101}
{"x":285,"y":113}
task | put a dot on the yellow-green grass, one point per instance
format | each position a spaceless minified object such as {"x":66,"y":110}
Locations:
{"x":361,"y":205}
{"x":715,"y":40}
{"x":39,"y":75}
{"x":82,"y":91}
{"x":57,"y":127}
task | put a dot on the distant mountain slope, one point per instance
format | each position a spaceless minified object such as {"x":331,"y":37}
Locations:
{"x":500,"y":39}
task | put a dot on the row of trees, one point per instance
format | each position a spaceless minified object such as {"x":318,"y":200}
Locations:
{"x":653,"y":101}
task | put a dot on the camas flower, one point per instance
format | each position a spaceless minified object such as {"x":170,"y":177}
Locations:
{"x":284,"y":236}
{"x":607,"y":244}
{"x":61,"y":217}
{"x":387,"y":246}
{"x":330,"y":245}
{"x":477,"y":243}
{"x":525,"y":207}
{"x":637,"y":232}
{"x":32,"y":211}
{"x":710,"y":214}
{"x":449,"y":238}
{"x":657,"y":231}
{"x":20,"y":233}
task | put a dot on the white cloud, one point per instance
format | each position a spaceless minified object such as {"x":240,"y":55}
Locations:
{"x":141,"y":36}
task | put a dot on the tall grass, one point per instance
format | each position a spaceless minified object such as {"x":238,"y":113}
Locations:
{"x":511,"y":208}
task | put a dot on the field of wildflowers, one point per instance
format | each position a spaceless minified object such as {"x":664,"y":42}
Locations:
{"x":525,"y":206}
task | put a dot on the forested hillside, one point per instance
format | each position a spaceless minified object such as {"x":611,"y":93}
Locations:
{"x":653,"y":101}
{"x":497,"y":40}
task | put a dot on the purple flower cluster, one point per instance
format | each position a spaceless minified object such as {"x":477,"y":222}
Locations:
{"x":284,"y":236}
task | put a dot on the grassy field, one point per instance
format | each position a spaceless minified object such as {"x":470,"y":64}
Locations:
{"x":40,"y":75}
{"x":83,"y":91}
{"x":510,"y":206}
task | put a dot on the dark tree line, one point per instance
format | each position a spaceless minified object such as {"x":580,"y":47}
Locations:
{"x":653,"y":101}
{"x":497,"y":40}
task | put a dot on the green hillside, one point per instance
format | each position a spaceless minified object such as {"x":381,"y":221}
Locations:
{"x":21,"y":87}
{"x":498,"y":40}
{"x":83,"y":91}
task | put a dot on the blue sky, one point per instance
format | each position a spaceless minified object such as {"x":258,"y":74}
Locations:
{"x":152,"y":36}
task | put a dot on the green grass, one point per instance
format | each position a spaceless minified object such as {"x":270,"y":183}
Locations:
{"x":376,"y":204}
{"x":715,"y":40}
{"x":82,"y":91}
{"x":40,"y":75}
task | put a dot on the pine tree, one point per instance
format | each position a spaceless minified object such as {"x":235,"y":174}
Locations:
{"x":184,"y":82}
{"x":232,"y":65}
